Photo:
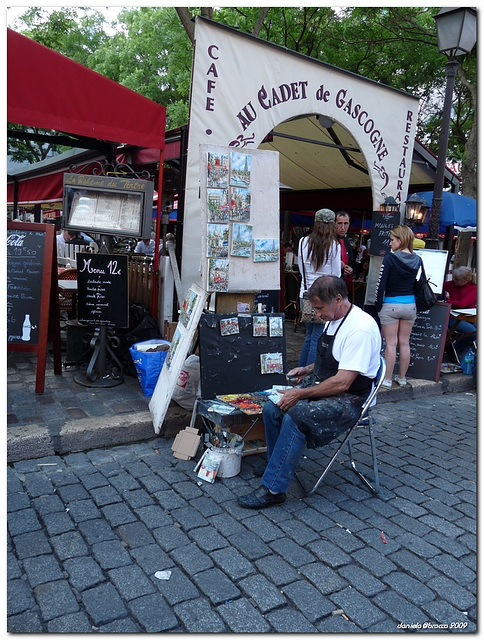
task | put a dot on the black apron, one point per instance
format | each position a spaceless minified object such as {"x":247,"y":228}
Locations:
{"x":326,"y":366}
{"x":324,"y":419}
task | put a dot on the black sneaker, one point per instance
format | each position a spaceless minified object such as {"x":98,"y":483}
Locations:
{"x":261,"y":498}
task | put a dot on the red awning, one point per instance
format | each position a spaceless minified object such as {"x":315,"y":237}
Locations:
{"x":48,"y":90}
{"x":36,"y":190}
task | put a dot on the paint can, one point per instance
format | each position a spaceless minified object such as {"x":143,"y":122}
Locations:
{"x":230,"y":458}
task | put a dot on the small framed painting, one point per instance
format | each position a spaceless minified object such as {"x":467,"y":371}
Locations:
{"x":218,"y":170}
{"x":218,"y":275}
{"x":229,"y":326}
{"x":217,"y":240}
{"x":241,"y":240}
{"x":218,"y":209}
{"x":276,"y":329}
{"x":266,"y":250}
{"x":271,"y":363}
{"x":259,"y":326}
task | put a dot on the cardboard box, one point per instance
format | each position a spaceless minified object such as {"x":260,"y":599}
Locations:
{"x":186,"y":443}
{"x":227,"y":302}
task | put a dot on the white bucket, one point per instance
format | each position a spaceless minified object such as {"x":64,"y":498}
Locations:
{"x":230,"y":459}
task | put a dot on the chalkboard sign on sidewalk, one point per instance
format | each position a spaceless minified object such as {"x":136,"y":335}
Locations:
{"x":381,"y":223}
{"x":102,"y":283}
{"x":32,"y":299}
{"x":25,"y":272}
{"x":427,"y":343}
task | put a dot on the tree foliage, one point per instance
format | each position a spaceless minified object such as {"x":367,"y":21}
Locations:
{"x":150,"y":51}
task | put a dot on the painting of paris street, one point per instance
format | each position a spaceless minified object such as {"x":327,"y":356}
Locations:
{"x":240,"y":205}
{"x":240,"y":169}
{"x":218,"y":170}
{"x":217,"y":240}
{"x":266,"y":250}
{"x":241,"y":240}
{"x":218,"y":275}
{"x":218,"y":208}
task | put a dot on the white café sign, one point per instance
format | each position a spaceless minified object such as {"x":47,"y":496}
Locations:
{"x":244,"y":87}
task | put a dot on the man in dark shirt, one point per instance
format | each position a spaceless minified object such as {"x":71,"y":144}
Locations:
{"x":342,"y":224}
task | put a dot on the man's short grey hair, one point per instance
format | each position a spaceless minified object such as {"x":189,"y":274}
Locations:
{"x":326,"y":288}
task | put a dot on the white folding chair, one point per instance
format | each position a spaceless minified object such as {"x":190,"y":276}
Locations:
{"x":364,"y":420}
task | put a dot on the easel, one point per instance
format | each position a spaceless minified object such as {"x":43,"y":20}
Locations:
{"x":49,"y":322}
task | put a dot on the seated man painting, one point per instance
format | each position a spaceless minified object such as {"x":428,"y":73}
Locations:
{"x":330,"y":392}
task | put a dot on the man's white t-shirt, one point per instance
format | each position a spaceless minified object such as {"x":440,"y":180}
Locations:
{"x":357,"y":344}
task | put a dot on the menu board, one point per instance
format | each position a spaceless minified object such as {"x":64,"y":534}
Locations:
{"x":25,"y":266}
{"x":102,"y":283}
{"x":119,"y":206}
{"x":32,"y":302}
{"x":427,"y":343}
{"x":381,"y":223}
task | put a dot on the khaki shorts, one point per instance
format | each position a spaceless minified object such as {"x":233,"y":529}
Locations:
{"x":392,"y":312}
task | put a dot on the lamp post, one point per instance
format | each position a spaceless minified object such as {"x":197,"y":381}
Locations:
{"x":416,"y":209}
{"x":456,"y":35}
{"x":390,"y":205}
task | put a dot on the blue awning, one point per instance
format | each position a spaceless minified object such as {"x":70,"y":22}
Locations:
{"x":456,"y":209}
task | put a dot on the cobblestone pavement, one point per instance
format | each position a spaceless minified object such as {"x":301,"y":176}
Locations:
{"x":87,"y":532}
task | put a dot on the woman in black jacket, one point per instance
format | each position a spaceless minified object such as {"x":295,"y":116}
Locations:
{"x":395,"y":301}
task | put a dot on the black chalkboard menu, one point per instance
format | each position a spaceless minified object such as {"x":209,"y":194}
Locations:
{"x":381,"y":223}
{"x":233,"y":363}
{"x":32,"y":299}
{"x":25,"y":271}
{"x":427,"y":343}
{"x":102,"y":285}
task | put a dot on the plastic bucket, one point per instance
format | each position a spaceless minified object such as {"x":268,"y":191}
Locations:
{"x":230,"y":458}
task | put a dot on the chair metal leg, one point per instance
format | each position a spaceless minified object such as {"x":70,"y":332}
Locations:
{"x":375,"y":487}
{"x":328,"y":466}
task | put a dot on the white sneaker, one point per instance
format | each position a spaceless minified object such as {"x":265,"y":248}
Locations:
{"x":401,"y":381}
{"x":387,"y":384}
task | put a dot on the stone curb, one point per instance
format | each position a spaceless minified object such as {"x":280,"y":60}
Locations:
{"x":34,"y":440}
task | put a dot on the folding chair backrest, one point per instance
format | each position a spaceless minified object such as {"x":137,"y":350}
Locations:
{"x":380,"y":376}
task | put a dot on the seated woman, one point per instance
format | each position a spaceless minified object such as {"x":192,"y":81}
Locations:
{"x":461,"y":292}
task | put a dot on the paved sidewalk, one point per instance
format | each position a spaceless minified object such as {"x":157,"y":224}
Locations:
{"x":70,"y":417}
{"x":88,"y":531}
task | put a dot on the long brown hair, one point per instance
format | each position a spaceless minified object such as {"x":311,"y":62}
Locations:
{"x":320,"y":241}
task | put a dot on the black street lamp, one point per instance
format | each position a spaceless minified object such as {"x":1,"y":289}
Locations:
{"x":416,"y":209}
{"x":456,"y":35}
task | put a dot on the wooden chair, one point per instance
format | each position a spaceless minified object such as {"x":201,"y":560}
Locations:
{"x":364,"y":420}
{"x":67,"y":300}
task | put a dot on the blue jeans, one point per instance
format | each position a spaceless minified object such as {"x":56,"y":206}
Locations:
{"x":285,"y":445}
{"x":308,"y":353}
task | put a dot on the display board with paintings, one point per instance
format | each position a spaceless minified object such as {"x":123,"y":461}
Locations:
{"x":192,"y":308}
{"x":241,"y":353}
{"x":240,"y":219}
